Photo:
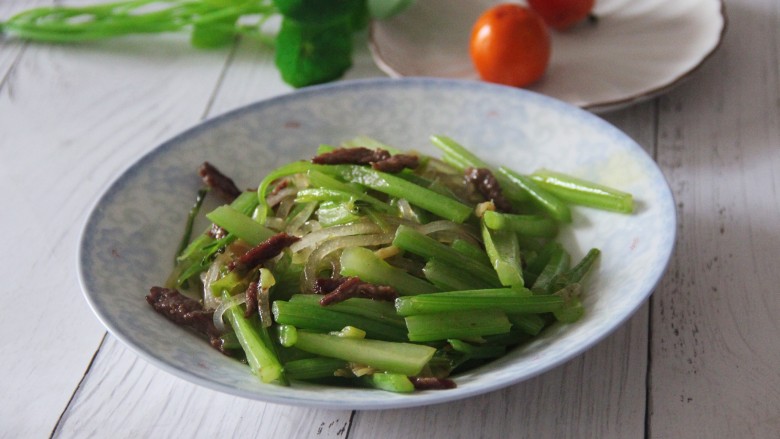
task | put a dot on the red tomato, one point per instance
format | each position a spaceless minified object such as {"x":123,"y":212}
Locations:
{"x":562,"y":14}
{"x":510,"y":45}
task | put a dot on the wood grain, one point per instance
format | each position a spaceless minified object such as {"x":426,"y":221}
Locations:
{"x":72,"y":119}
{"x":714,"y":352}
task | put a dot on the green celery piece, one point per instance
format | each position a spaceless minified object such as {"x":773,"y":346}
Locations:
{"x":368,"y":308}
{"x":363,"y":263}
{"x":527,"y":225}
{"x":239,"y":224}
{"x":559,"y":262}
{"x":576,"y":273}
{"x":477,"y":352}
{"x":471,"y":250}
{"x":319,"y":179}
{"x":556,"y":208}
{"x":446,"y":277}
{"x":260,"y":356}
{"x":447,"y":302}
{"x":441,"y":205}
{"x":536,"y":264}
{"x":324,"y":319}
{"x":571,"y":312}
{"x":391,"y":382}
{"x":193,"y":213}
{"x":504,"y":253}
{"x":409,"y":239}
{"x":403,"y":358}
{"x":232,"y":282}
{"x":456,"y":324}
{"x":531,"y":324}
{"x":331,"y":213}
{"x":461,"y":158}
{"x":287,"y":334}
{"x":586,"y":193}
{"x":313,"y":368}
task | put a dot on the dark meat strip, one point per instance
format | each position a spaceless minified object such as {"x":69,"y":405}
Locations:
{"x":280,"y":185}
{"x":186,"y":312}
{"x":431,"y":383}
{"x":251,"y":299}
{"x":218,"y":181}
{"x":351,"y":156}
{"x":268,"y":249}
{"x":488,"y":186}
{"x":325,"y":285}
{"x":354,"y":287}
{"x":397,"y":163}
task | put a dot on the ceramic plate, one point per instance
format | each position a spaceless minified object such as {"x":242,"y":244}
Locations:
{"x":130,"y":237}
{"x":636,"y":49}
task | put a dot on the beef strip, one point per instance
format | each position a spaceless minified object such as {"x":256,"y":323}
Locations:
{"x":186,"y":312}
{"x":251,"y":299}
{"x":432,"y":383}
{"x":397,"y":163}
{"x":218,"y":181}
{"x":350,"y":287}
{"x":268,"y":249}
{"x":488,"y":186}
{"x":351,"y":156}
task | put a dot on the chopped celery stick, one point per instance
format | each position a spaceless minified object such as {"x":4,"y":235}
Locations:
{"x":333,"y":214}
{"x":411,"y":240}
{"x":473,"y":251}
{"x":528,"y":225}
{"x":185,"y":239}
{"x":363,"y":263}
{"x":395,"y":186}
{"x":261,"y":358}
{"x":576,"y":273}
{"x":571,"y":312}
{"x":313,"y":368}
{"x":232,"y":282}
{"x":368,"y":308}
{"x":324,"y":319}
{"x":504,"y":253}
{"x":350,"y":332}
{"x":586,"y":193}
{"x":477,"y":352}
{"x":324,"y":181}
{"x":537,"y":262}
{"x":239,"y":224}
{"x":404,"y":358}
{"x":557,"y":263}
{"x":547,"y":201}
{"x":449,"y":278}
{"x":288,"y":335}
{"x":531,"y":324}
{"x":391,"y":382}
{"x":460,"y":324}
{"x":445,"y":302}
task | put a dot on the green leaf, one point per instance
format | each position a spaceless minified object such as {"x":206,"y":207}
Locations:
{"x":308,"y":54}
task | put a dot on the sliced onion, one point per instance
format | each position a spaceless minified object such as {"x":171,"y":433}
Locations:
{"x":406,"y":210}
{"x":317,"y":256}
{"x":274,"y":199}
{"x":224,"y":306}
{"x":298,"y":220}
{"x":275,"y":223}
{"x":316,"y":237}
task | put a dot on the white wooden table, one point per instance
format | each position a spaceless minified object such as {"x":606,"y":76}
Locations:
{"x":701,"y":360}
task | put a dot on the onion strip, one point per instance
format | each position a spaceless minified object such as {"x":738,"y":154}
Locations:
{"x":224,"y":306}
{"x":316,"y":237}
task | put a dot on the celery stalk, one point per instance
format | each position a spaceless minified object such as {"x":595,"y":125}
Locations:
{"x":261,"y":357}
{"x":363,"y":263}
{"x":403,"y":358}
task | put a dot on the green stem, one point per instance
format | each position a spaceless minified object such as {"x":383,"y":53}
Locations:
{"x":586,"y":193}
{"x":547,"y":201}
{"x":458,"y":324}
{"x":363,"y":263}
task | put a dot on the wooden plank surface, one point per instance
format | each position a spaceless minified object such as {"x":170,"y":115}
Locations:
{"x":72,"y":119}
{"x":715,"y":352}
